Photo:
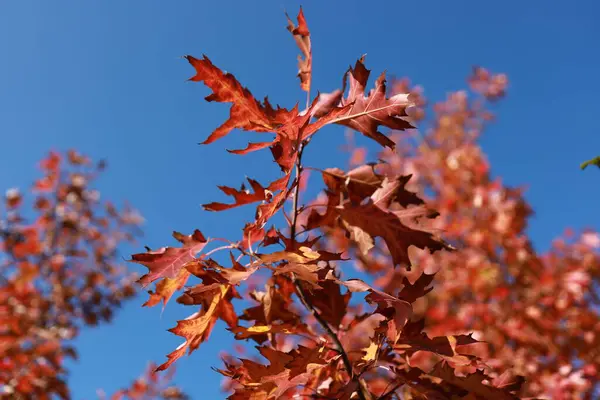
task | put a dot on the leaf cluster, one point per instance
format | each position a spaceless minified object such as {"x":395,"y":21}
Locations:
{"x":313,"y":342}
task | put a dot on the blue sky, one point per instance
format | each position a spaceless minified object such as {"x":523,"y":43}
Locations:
{"x":106,"y":78}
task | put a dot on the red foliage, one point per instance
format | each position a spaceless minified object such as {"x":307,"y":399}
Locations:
{"x":313,"y":341}
{"x":150,"y":386}
{"x":59,"y":271}
{"x":538,"y":311}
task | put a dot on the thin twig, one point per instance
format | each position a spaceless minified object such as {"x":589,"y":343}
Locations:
{"x":362,"y":391}
{"x":388,"y":394}
{"x":221,"y":248}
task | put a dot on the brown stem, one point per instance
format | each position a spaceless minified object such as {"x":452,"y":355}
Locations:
{"x":363,"y":393}
{"x":391,"y":392}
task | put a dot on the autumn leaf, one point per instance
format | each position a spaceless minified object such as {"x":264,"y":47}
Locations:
{"x":401,"y":309}
{"x":370,"y":352}
{"x":303,"y":357}
{"x":237,"y":274}
{"x":246,"y":112}
{"x":304,"y":255}
{"x":388,"y":305}
{"x":412,"y":291}
{"x":368,"y":112}
{"x":267,"y":210}
{"x":194,"y":329}
{"x":167,"y":261}
{"x":241,"y":197}
{"x":292,"y":132}
{"x":284,"y":382}
{"x":509,"y":381}
{"x":444,"y":346}
{"x":248,"y":393}
{"x":332,"y":305}
{"x":329,"y":117}
{"x":360,"y":182}
{"x":207,"y":270}
{"x":166,"y":287}
{"x":472,"y":383}
{"x":61,"y":272}
{"x":252,"y":146}
{"x":305,"y":272}
{"x":259,"y":332}
{"x":393,"y":228}
{"x":274,"y":380}
{"x":393,"y":191}
{"x":302,"y":37}
{"x":273,"y":306}
{"x":360,"y":334}
{"x":387,"y":199}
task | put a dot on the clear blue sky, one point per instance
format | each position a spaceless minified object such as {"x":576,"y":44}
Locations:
{"x":104,"y":77}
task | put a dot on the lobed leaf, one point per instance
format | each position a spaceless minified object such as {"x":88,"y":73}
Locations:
{"x":167,"y":261}
{"x":367,"y":221}
{"x":302,"y":37}
{"x":196,"y":328}
{"x":241,"y":197}
{"x":246,"y":112}
{"x":366,"y":112}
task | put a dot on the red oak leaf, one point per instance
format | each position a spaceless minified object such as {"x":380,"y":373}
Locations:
{"x":302,"y":357}
{"x":401,"y":309}
{"x":509,"y":381}
{"x":252,"y":147}
{"x":196,"y":328}
{"x":444,"y":346}
{"x":246,"y":112}
{"x":394,"y":191}
{"x":166,"y":287}
{"x":367,"y":221}
{"x":473,"y":383}
{"x":302,"y":38}
{"x":167,"y":261}
{"x":259,"y":332}
{"x":242,"y":196}
{"x":359,"y":183}
{"x":412,"y":291}
{"x":237,"y":273}
{"x":367,"y":112}
{"x":273,"y":307}
{"x":330,"y":302}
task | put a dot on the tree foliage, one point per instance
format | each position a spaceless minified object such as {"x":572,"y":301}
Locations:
{"x":148,"y":386}
{"x":59,"y":272}
{"x":453,"y":302}
{"x":537,"y":310}
{"x":315,"y":336}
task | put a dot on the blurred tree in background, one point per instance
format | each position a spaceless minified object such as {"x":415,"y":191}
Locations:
{"x":60,"y":271}
{"x":538,"y":311}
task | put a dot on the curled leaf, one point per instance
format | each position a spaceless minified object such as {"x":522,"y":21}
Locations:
{"x":302,"y":38}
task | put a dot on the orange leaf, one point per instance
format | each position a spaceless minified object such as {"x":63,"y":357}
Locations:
{"x":242,"y":196}
{"x":302,"y":38}
{"x":367,"y":112}
{"x":167,"y":261}
{"x":395,"y":230}
{"x":194,"y":328}
{"x":166,"y":287}
{"x":245,"y":113}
